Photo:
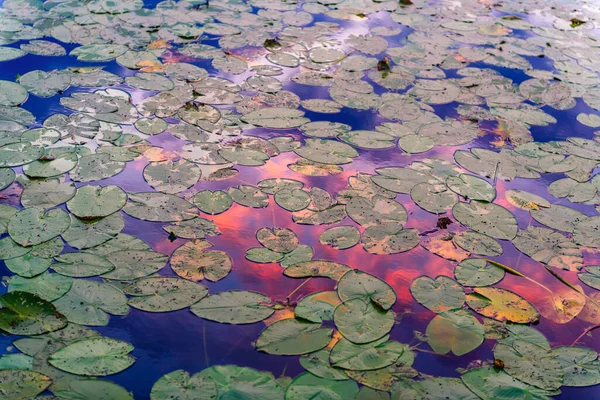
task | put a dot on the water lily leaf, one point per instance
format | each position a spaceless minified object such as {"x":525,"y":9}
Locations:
{"x":12,"y":94}
{"x":563,"y":304}
{"x":96,"y":201}
{"x":180,"y":385}
{"x":149,"y":81}
{"x":293,"y":337}
{"x":357,"y":284}
{"x":277,"y":239}
{"x":197,"y":228}
{"x":580,"y":365}
{"x":585,"y":232}
{"x":377,"y":212}
{"x":88,"y":389}
{"x":478,"y":243}
{"x":329,"y":215}
{"x":531,"y":364}
{"x":83,"y":234}
{"x":45,"y":84}
{"x":263,"y":255}
{"x":308,"y":386}
{"x":81,"y":265}
{"x":46,"y":169}
{"x":384,"y":240}
{"x":159,"y":207}
{"x":441,"y":388}
{"x":549,"y":247}
{"x":317,"y":363}
{"x":43,"y":48}
{"x":233,"y":381}
{"x":172,"y":176}
{"x":327,"y":151}
{"x":478,"y":272}
{"x":323,"y":268}
{"x":526,"y":200}
{"x":363,"y":357}
{"x":33,"y":226}
{"x":502,"y":305}
{"x":558,"y":217}
{"x":134,"y":264}
{"x":317,"y":307}
{"x":28,"y":265}
{"x":340,"y":237}
{"x":362,"y":322}
{"x":433,"y":198}
{"x":292,"y":200}
{"x":94,"y":357}
{"x":15,"y":154}
{"x":10,"y":53}
{"x":368,"y":139}
{"x":88,"y":302}
{"x":7,"y":177}
{"x":457,"y":331}
{"x":16,"y":361}
{"x":415,"y":144}
{"x":24,"y":313}
{"x":471,"y":187}
{"x":384,"y":378}
{"x":47,"y":194}
{"x":215,"y":202}
{"x":234,"y":307}
{"x":162,"y":294}
{"x":491,"y":383}
{"x":439,"y":295}
{"x":98,"y":52}
{"x":46,"y":286}
{"x":244,"y":156}
{"x":276,"y":118}
{"x":20,"y":384}
{"x":191,"y":261}
{"x":311,"y":168}
{"x":95,"y":167}
{"x":487,"y":218}
{"x":591,"y":276}
{"x":249,"y":196}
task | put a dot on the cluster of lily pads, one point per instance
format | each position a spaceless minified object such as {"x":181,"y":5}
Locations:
{"x":225,"y":107}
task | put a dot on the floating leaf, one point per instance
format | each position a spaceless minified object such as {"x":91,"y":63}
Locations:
{"x":362,"y":322}
{"x":24,"y":313}
{"x":457,"y":331}
{"x":478,"y":272}
{"x":179,"y":384}
{"x":97,"y":201}
{"x":234,"y":307}
{"x":502,"y":305}
{"x":439,"y":295}
{"x":487,"y":218}
{"x":159,"y":207}
{"x":19,"y":384}
{"x":162,"y":294}
{"x":94,"y":357}
{"x":191,"y":261}
{"x":308,"y":386}
{"x":292,"y":336}
{"x":233,"y":381}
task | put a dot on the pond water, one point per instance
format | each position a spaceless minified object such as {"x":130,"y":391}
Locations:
{"x":429,"y":230}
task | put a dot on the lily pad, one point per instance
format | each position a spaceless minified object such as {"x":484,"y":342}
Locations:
{"x":191,"y":261}
{"x":362,"y":322}
{"x":234,"y":307}
{"x":439,"y":295}
{"x":502,"y":305}
{"x":457,"y":331}
{"x":24,"y":313}
{"x":162,"y":294}
{"x":94,"y":357}
{"x":180,"y":385}
{"x":33,"y":226}
{"x":293,"y":337}
{"x":96,"y":201}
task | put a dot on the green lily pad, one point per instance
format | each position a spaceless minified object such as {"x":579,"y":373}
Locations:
{"x":246,"y":383}
{"x":197,"y":228}
{"x":478,"y":243}
{"x":248,"y":196}
{"x":234,"y":307}
{"x":81,"y":265}
{"x":94,"y":357}
{"x":457,"y":331}
{"x":491,"y":383}
{"x":96,"y":201}
{"x":134,"y":264}
{"x":12,"y":94}
{"x":88,"y":389}
{"x":180,"y":385}
{"x":357,"y":284}
{"x":327,"y":151}
{"x":389,"y":240}
{"x":362,"y":322}
{"x":309,"y":386}
{"x":15,"y":154}
{"x":90,"y":302}
{"x":340,"y":237}
{"x":46,"y":286}
{"x":263,"y":255}
{"x":159,"y":207}
{"x":317,"y":307}
{"x":323,"y":268}
{"x":293,"y":337}
{"x":24,"y":313}
{"x":33,"y":226}
{"x":317,"y":363}
{"x":172,"y":176}
{"x":20,"y":384}
{"x":47,"y":194}
{"x":276,"y":118}
{"x":363,"y":357}
{"x":28,"y":265}
{"x":277,"y":239}
{"x":478,"y":272}
{"x":580,"y":365}
{"x":95,"y":167}
{"x":439,"y":295}
{"x":487,"y":218}
{"x":191,"y":261}
{"x":502,"y":305}
{"x":213,"y":202}
{"x":83,"y":234}
{"x":531,"y":364}
{"x":162,"y":294}
{"x":471,"y":187}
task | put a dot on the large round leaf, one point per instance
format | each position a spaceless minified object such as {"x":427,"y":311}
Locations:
{"x":493,"y":384}
{"x":159,"y":207}
{"x":357,"y":284}
{"x":439,"y":295}
{"x":457,"y":331}
{"x":213,"y":202}
{"x":162,"y":294}
{"x":362,"y":322}
{"x":84,"y":234}
{"x":293,"y":337}
{"x":47,"y":286}
{"x":191,"y":261}
{"x":23,"y":313}
{"x":234,"y":307}
{"x":309,"y":386}
{"x":21,"y":384}
{"x":180,"y":385}
{"x":368,"y":356}
{"x":477,"y":272}
{"x":502,"y":305}
{"x":172,"y":176}
{"x":243,"y":383}
{"x":81,"y":264}
{"x":33,"y":226}
{"x":487,"y":218}
{"x":97,"y":201}
{"x":94,"y":357}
